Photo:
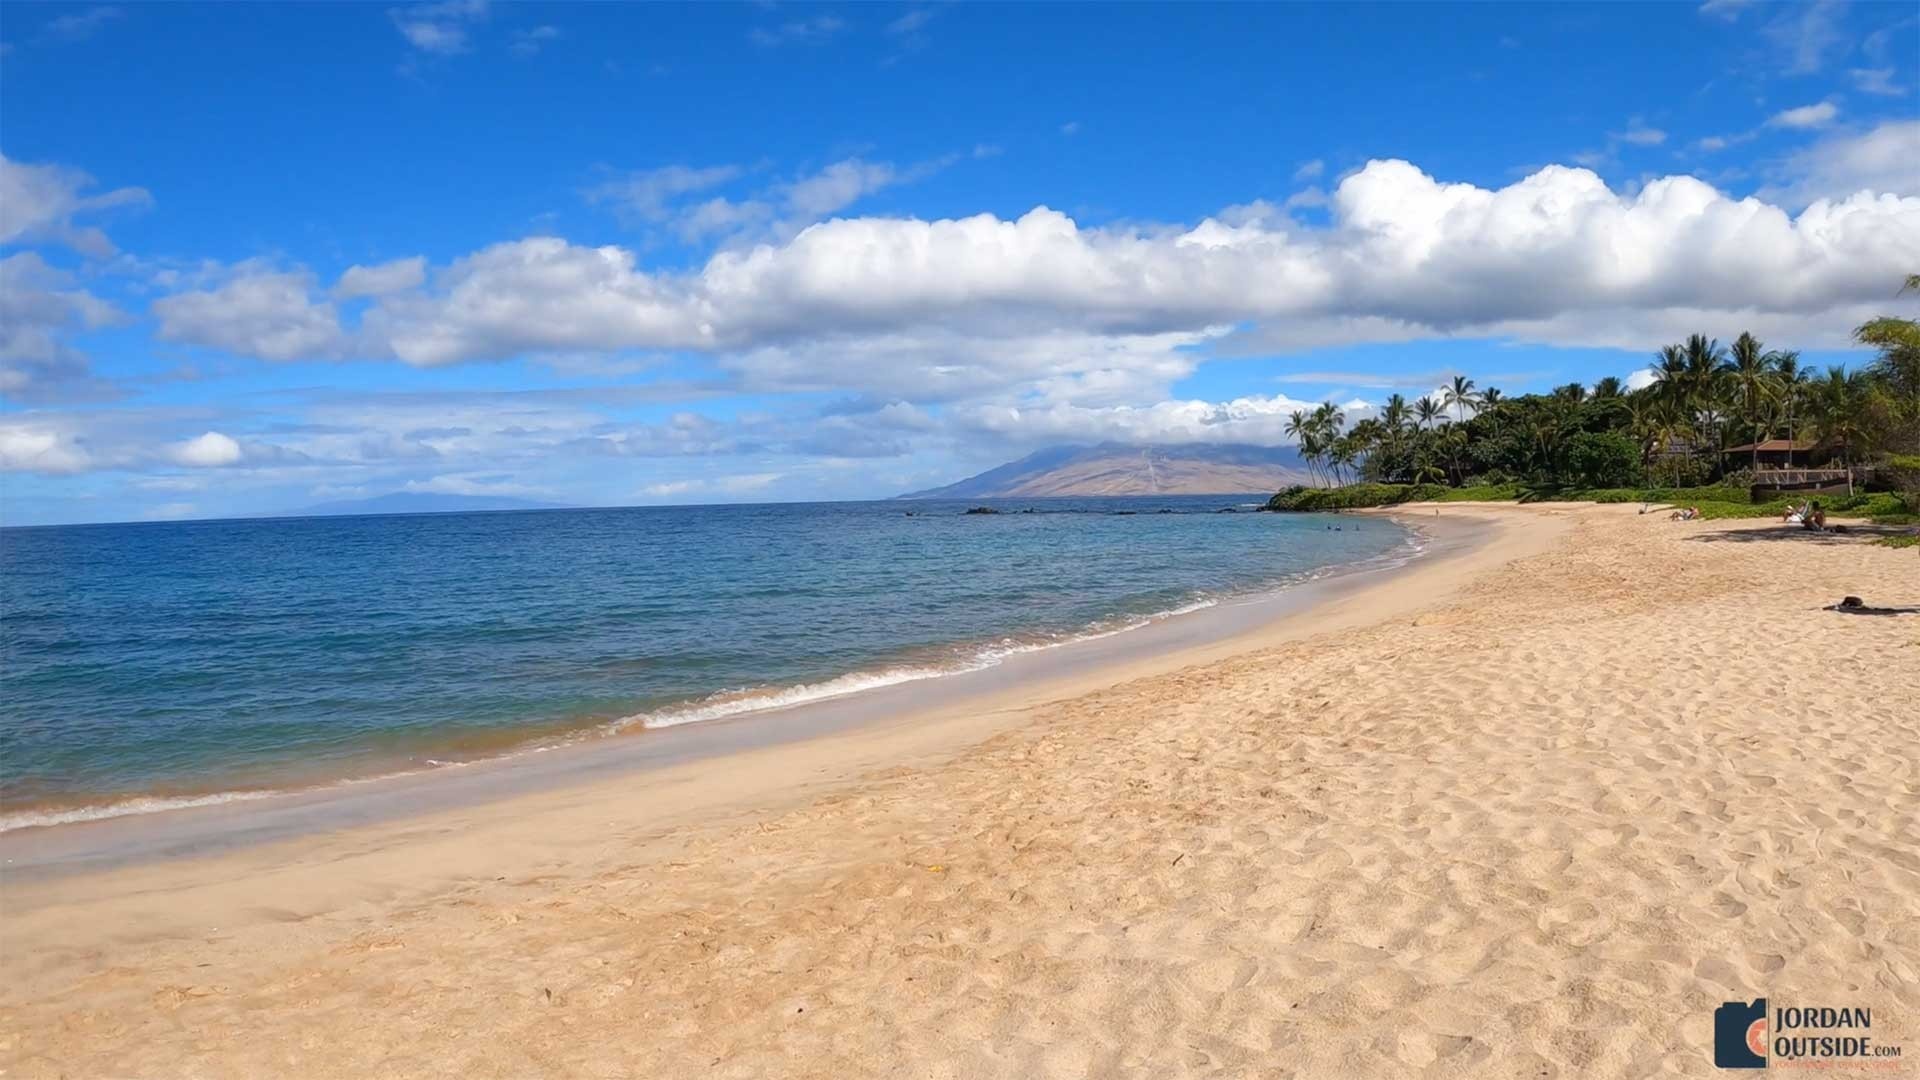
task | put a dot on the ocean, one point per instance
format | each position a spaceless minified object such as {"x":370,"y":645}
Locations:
{"x":145,"y":666}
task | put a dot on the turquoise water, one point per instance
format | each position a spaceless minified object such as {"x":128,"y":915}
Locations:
{"x":162,"y":663}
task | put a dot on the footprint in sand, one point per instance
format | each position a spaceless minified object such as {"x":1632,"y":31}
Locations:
{"x":1726,"y":906}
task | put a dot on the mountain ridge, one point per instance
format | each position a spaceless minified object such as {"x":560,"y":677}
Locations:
{"x":1133,"y":469}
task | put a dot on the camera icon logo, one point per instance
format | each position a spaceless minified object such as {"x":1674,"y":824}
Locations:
{"x":1740,"y":1035}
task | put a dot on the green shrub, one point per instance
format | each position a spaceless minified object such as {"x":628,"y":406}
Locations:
{"x":1602,"y":459}
{"x":1352,"y":497}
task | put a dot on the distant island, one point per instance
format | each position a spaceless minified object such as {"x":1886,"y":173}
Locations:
{"x":416,"y":502}
{"x":1121,"y":469}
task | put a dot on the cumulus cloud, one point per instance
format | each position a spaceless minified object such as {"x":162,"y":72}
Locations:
{"x":1816,"y":115}
{"x":260,"y":312}
{"x":209,"y":451}
{"x":1310,"y":170}
{"x":38,"y":204}
{"x":382,"y":279}
{"x":941,"y":302}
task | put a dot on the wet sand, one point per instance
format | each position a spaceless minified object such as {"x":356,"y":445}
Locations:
{"x":1534,"y":809}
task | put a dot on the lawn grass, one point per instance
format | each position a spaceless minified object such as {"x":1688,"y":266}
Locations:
{"x":1714,"y":503}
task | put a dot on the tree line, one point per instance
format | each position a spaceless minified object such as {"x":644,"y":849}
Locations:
{"x":1671,"y":432}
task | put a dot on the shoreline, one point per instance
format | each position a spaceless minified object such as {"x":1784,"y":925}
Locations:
{"x":934,"y":665}
{"x":831,"y":742}
{"x":808,"y":703}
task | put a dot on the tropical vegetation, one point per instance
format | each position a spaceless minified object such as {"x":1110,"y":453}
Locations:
{"x":1666,"y":430}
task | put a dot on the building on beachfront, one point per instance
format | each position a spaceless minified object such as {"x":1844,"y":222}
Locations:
{"x":1793,"y":465}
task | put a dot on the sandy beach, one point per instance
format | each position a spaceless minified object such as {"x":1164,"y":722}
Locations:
{"x":1532,"y":810}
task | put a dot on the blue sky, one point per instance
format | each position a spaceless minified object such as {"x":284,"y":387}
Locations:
{"x":261,"y":256}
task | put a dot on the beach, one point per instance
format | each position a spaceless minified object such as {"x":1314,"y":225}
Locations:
{"x":1535,"y":808}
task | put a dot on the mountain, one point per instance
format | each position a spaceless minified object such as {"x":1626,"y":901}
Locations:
{"x":418,"y":502}
{"x":1118,"y":469}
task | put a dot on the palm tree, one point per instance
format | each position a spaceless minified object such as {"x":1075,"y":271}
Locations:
{"x":1608,"y":387}
{"x":1703,"y":356}
{"x":1572,"y":393}
{"x":1490,"y":403}
{"x":1426,"y":410}
{"x":1300,"y":430}
{"x":1459,"y":396}
{"x":1836,"y":402}
{"x":1792,"y":380}
{"x":1670,"y":376}
{"x":1750,"y":372}
{"x":1394,"y":413}
{"x":1453,"y":438}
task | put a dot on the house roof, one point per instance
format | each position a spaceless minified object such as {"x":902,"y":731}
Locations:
{"x":1773,"y":446}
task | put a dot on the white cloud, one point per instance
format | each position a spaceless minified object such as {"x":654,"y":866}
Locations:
{"x":837,"y":186}
{"x":1641,"y":379}
{"x":1877,"y":81}
{"x":209,"y":451}
{"x":1806,"y":116}
{"x":736,"y":485}
{"x":39,"y":202}
{"x":539,"y":294}
{"x":39,"y":308}
{"x":1403,"y":255}
{"x":1310,"y":170}
{"x":439,"y":28}
{"x":471,"y":484}
{"x":775,"y":212}
{"x":382,"y":279}
{"x":1880,"y":159}
{"x":648,"y":194}
{"x":1727,"y":10}
{"x":1639,"y":134}
{"x":41,"y":444}
{"x":1254,"y":419}
{"x":270,"y":314}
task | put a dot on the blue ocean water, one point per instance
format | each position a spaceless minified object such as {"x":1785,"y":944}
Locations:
{"x":147,"y":664}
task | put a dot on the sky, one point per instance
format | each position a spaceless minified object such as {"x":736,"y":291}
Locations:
{"x":259,"y":257}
